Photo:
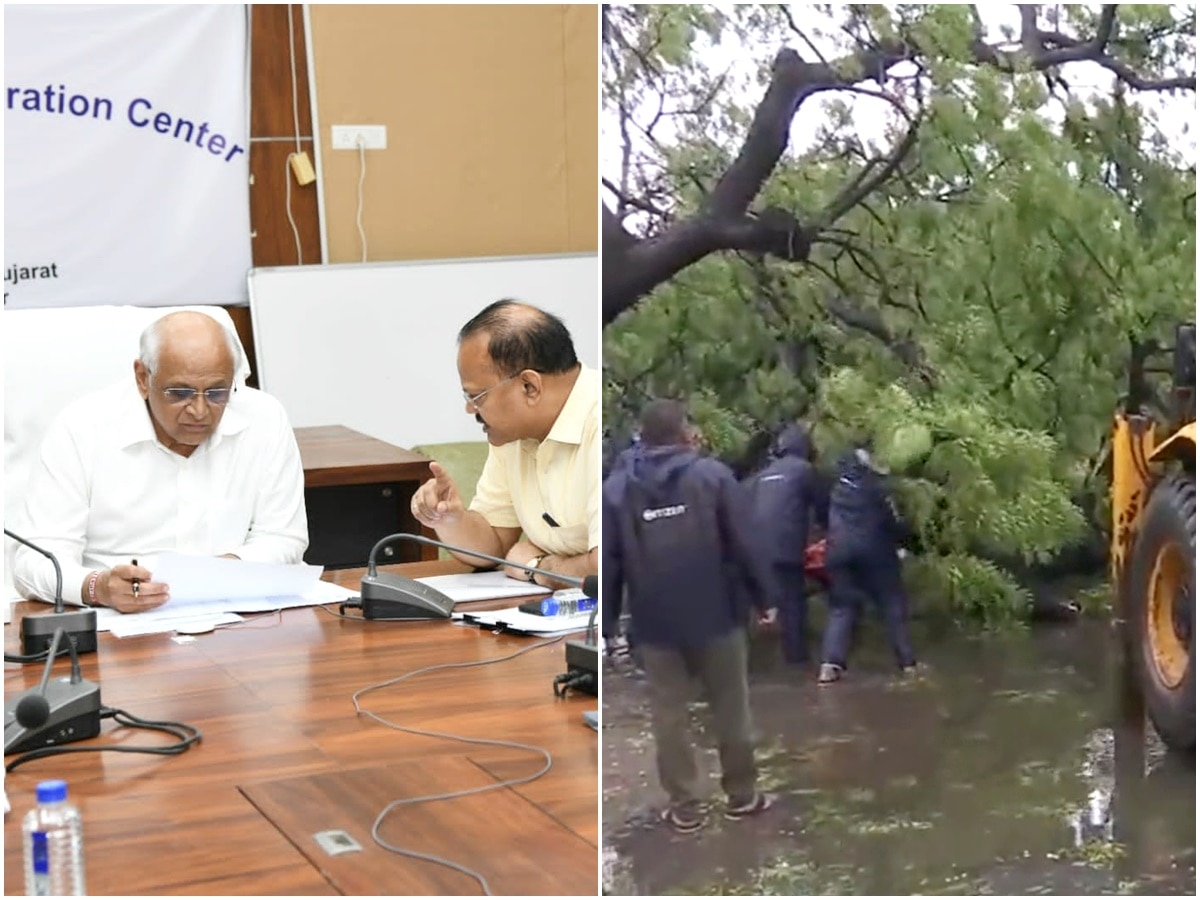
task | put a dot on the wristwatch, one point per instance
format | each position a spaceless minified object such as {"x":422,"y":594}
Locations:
{"x":533,"y":564}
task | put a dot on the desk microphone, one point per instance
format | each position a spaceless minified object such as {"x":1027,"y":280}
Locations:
{"x":38,"y":631}
{"x":55,"y":712}
{"x":389,"y":596}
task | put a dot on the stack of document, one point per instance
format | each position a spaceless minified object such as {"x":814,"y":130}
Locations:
{"x":474,"y":586}
{"x":208,"y":591}
{"x":528,"y":623}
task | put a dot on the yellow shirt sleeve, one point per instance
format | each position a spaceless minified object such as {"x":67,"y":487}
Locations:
{"x":591,"y":451}
{"x":493,"y":498}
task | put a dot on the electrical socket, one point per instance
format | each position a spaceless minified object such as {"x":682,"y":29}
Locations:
{"x":345,"y":137}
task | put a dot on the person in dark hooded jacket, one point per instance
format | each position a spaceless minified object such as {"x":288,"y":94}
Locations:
{"x":863,"y":565}
{"x":675,"y":536}
{"x":784,"y":497}
{"x":614,"y":603}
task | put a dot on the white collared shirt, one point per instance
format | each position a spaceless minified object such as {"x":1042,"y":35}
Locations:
{"x":558,"y":477}
{"x":104,"y":491}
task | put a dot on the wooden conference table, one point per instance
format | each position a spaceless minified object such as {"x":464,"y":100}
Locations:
{"x":284,"y":755}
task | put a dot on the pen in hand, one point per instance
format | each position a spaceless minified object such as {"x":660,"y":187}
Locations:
{"x":135,"y":584}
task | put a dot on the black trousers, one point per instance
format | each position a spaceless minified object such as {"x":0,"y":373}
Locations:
{"x":793,"y":613}
{"x":851,"y":588}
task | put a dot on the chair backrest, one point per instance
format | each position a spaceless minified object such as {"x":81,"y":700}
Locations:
{"x":51,"y":356}
{"x":464,"y":461}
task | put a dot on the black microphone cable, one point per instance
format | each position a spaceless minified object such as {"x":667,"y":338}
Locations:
{"x":188,"y":735}
{"x":32,"y":657}
{"x":489,"y":742}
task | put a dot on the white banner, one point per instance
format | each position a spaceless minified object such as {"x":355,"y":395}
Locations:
{"x":126,"y":155}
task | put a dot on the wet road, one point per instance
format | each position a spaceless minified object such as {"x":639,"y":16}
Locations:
{"x":993,"y":774}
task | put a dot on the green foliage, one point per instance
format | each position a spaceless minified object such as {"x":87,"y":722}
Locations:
{"x":967,"y":587}
{"x":1033,"y":236}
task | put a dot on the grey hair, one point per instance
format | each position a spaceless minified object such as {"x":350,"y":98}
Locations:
{"x":150,"y":344}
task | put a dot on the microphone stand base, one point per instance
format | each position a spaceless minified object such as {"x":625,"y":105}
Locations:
{"x":37,"y":632}
{"x":583,"y":670}
{"x":582,"y":655}
{"x":390,"y":596}
{"x":74,"y":716}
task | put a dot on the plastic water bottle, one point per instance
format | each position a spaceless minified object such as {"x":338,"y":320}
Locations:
{"x":53,"y":832}
{"x":567,"y":606}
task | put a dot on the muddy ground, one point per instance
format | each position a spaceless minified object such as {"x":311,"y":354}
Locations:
{"x":994,"y":773}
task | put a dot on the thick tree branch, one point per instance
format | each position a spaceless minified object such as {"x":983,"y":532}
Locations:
{"x":774,"y":231}
{"x":765,"y":141}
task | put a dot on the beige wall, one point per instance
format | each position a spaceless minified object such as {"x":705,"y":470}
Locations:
{"x":491,"y":114}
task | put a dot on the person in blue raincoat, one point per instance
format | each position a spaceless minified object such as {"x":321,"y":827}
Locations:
{"x":862,"y":562}
{"x":785,"y":497}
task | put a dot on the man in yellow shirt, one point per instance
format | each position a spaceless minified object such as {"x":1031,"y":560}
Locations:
{"x":537,"y":502}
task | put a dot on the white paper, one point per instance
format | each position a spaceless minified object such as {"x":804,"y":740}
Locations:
{"x":154,"y":622}
{"x":197,"y":613}
{"x":471,"y":586}
{"x":191,"y":578}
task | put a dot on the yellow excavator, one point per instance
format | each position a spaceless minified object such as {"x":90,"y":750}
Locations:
{"x":1153,"y":544}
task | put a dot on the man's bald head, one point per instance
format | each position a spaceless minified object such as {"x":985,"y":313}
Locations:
{"x":189,"y":334}
{"x":520,"y":336}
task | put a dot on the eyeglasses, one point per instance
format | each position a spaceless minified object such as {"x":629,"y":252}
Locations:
{"x":477,"y":401}
{"x":177,"y":396}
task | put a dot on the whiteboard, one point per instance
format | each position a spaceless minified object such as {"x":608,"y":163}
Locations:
{"x":373,"y":346}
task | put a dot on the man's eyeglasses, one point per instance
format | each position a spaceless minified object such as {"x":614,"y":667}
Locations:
{"x":476,"y":401}
{"x":177,"y":396}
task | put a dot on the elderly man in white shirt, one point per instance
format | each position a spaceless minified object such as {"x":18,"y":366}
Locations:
{"x":178,"y":460}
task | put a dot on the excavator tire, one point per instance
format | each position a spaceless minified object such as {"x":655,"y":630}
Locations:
{"x":1161,"y":608}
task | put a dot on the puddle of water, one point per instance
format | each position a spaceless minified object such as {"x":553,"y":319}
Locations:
{"x":996,"y":773}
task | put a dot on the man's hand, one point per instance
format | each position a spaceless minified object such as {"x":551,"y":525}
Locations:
{"x":437,"y":501}
{"x":522,"y":552}
{"x":766,"y":619}
{"x":114,"y":588}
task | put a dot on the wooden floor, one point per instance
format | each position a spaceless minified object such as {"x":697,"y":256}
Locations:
{"x":284,"y":754}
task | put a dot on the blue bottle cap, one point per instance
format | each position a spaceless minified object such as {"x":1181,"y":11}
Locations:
{"x":51,"y":791}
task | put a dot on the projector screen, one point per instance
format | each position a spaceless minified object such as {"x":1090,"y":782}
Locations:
{"x":373,"y":346}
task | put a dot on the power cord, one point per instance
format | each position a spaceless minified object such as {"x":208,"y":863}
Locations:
{"x":584,"y":682}
{"x":490,"y":742}
{"x":295,"y":92}
{"x":187,"y":734}
{"x":287,"y":199}
{"x":362,"y":177}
